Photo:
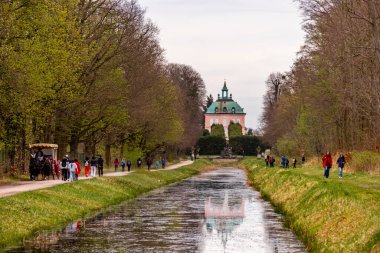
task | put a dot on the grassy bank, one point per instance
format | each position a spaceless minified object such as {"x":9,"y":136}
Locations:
{"x":23,"y":215}
{"x":329,"y":215}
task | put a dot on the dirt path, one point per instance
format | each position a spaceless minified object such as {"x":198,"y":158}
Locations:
{"x":8,"y":190}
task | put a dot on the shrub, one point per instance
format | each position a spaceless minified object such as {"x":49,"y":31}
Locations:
{"x":217,"y":130}
{"x":234,"y":129}
{"x":211,"y":145}
{"x":287,"y":146}
{"x":365,"y":161}
{"x":247,"y":143}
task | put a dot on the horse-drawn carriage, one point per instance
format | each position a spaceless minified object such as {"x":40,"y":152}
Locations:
{"x":43,"y":160}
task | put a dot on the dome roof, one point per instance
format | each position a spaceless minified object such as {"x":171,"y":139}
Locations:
{"x":229,"y":107}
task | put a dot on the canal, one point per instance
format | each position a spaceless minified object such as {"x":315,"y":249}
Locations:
{"x":213,"y":212}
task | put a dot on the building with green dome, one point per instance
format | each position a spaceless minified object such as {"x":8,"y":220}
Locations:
{"x":225,"y":110}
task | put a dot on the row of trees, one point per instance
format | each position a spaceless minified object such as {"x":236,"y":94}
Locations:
{"x":92,"y":72}
{"x":330,"y":99}
{"x":234,"y":129}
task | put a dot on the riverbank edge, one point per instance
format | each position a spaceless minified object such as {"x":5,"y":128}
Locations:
{"x":304,"y":201}
{"x":26,"y":214}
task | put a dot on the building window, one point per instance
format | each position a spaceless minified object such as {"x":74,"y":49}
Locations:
{"x":224,"y":109}
{"x":233,"y":109}
{"x":224,"y":121}
{"x":216,"y":109}
{"x":211,"y":122}
{"x":217,"y":121}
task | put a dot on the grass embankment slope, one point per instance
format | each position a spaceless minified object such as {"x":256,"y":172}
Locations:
{"x":23,"y":215}
{"x":330,"y":215}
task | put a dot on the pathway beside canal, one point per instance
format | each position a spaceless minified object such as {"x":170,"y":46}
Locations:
{"x":24,"y":186}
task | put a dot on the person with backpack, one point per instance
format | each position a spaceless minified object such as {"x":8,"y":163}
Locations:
{"x":93,"y":164}
{"x":129,"y":164}
{"x":64,"y":168}
{"x":341,"y":161}
{"x":294,"y":162}
{"x":86,"y":166}
{"x":327,"y":163}
{"x":100,"y":166}
{"x":287,"y":162}
{"x":139,"y":162}
{"x":123,"y":165}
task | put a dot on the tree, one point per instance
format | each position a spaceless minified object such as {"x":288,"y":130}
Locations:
{"x":234,"y":129}
{"x":218,"y":130}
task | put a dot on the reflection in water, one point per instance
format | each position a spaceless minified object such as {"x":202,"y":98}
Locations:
{"x":212,"y":212}
{"x":224,"y":219}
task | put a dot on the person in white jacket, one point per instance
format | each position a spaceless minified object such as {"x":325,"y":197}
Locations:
{"x":73,"y":168}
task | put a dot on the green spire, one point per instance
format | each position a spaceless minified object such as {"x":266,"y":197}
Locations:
{"x":225,"y":86}
{"x":225,"y":90}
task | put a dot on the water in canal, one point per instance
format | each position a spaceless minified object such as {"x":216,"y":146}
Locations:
{"x":212,"y":212}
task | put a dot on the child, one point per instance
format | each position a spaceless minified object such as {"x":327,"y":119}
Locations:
{"x":157,"y":164}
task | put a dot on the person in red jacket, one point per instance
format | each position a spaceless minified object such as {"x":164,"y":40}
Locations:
{"x":77,"y":171}
{"x":327,"y":163}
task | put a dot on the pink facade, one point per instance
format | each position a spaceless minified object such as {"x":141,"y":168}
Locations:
{"x":224,"y":119}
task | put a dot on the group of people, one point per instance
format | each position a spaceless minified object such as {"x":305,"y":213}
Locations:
{"x":69,"y":169}
{"x":44,"y":165}
{"x":127,"y":163}
{"x":270,"y":161}
{"x":327,"y":164}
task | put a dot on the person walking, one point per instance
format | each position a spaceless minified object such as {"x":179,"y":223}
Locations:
{"x":64,"y":168}
{"x":73,"y":168}
{"x":157,"y":164}
{"x":294,"y":162}
{"x":100,"y":166}
{"x":287,"y":162}
{"x":303,"y":159}
{"x":267,"y":161}
{"x":123,"y":165}
{"x":341,"y":161}
{"x":86,"y":166}
{"x":129,"y":165}
{"x":116,"y":164}
{"x":78,"y":170}
{"x":327,"y":164}
{"x":163,"y":163}
{"x":93,"y":164}
{"x":139,"y":162}
{"x":149,"y":162}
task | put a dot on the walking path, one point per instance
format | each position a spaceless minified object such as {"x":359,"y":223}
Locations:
{"x":8,"y":190}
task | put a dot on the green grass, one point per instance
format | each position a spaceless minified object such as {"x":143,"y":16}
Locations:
{"x":333,"y":215}
{"x":24,"y":215}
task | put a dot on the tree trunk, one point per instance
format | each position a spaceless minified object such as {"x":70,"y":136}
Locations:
{"x":108,"y":155}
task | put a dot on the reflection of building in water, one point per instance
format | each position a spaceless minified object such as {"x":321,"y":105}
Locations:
{"x":224,"y":219}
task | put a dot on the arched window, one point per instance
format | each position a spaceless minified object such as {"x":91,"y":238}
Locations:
{"x":224,"y":109}
{"x":233,"y":109}
{"x":216,"y":109}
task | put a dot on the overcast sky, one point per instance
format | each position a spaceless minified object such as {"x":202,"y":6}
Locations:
{"x":242,"y":41}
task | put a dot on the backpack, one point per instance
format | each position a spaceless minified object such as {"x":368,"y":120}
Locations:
{"x":129,"y":162}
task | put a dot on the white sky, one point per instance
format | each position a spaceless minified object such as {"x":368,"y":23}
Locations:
{"x":242,"y":41}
